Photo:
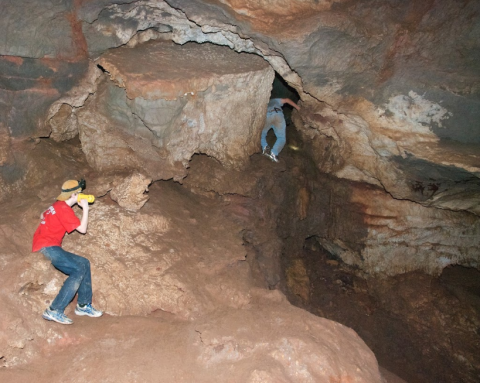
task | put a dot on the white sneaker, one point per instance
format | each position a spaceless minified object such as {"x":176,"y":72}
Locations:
{"x":56,"y":316}
{"x":273,"y":157}
{"x":88,"y":310}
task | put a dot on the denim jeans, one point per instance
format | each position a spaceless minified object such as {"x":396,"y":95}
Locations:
{"x":275,"y":121}
{"x":79,"y":277}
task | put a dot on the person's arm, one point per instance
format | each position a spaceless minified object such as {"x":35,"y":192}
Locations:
{"x":84,"y":221}
{"x":290,"y":102}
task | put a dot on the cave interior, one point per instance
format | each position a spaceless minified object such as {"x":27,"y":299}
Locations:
{"x":355,"y":258}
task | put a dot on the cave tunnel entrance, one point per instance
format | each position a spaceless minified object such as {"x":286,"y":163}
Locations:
{"x":281,"y":89}
{"x":416,"y":324}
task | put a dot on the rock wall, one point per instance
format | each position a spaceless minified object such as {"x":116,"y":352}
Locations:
{"x":385,"y":236}
{"x":389,"y":95}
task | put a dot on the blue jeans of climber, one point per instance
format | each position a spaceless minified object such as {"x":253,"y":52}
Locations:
{"x":79,"y":277}
{"x":276,"y":121}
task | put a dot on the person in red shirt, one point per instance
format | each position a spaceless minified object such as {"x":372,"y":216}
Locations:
{"x":57,"y":220}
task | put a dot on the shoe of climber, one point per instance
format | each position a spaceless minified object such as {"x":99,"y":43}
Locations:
{"x":266,"y":151}
{"x":56,"y":316}
{"x":89,"y":310}
{"x":273,"y":157}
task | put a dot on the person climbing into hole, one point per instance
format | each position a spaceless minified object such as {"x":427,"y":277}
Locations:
{"x":57,"y":220}
{"x":275,"y":120}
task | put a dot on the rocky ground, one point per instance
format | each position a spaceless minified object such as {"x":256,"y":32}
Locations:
{"x":184,"y":298}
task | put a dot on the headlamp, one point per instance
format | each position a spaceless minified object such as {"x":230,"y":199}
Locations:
{"x":81,"y":185}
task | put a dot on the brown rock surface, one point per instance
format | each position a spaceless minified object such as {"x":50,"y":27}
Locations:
{"x":431,"y":323}
{"x":131,"y":192}
{"x":247,"y":345}
{"x":163,"y":70}
{"x":178,"y":101}
{"x":181,"y":303}
{"x":394,"y":236}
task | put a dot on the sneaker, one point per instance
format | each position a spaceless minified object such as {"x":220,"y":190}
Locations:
{"x":266,"y":151}
{"x":88,"y":310}
{"x":56,"y":316}
{"x":273,"y":157}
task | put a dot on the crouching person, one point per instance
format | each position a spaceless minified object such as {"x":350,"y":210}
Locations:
{"x":57,"y":220}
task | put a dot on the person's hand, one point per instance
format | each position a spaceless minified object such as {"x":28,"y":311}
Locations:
{"x":84,"y":204}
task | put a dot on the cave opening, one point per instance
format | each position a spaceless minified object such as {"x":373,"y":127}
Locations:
{"x":416,"y":324}
{"x":281,"y":89}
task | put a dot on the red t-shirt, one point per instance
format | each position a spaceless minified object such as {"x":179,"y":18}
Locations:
{"x":58,"y":220}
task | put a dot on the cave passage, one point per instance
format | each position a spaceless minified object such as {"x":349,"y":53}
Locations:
{"x":412,"y":322}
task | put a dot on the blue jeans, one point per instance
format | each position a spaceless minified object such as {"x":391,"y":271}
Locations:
{"x":275,"y":121}
{"x":79,"y":277}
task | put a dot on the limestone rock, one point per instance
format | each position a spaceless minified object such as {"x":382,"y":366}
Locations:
{"x":287,"y":355}
{"x":61,"y":118}
{"x":406,"y":159}
{"x":382,"y":235}
{"x":26,"y":34}
{"x":131,"y":192}
{"x":147,"y":260}
{"x":64,"y":124}
{"x":42,"y":55}
{"x":5,"y":146}
{"x":388,"y":70}
{"x":384,"y":86}
{"x":171,"y":103}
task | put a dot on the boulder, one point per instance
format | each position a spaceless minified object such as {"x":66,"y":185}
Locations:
{"x":162,"y":103}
